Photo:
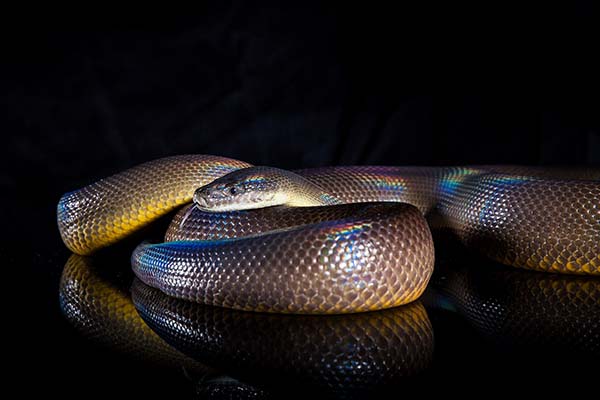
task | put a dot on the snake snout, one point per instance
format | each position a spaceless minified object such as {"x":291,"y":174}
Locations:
{"x":202,"y":198}
{"x":202,"y":202}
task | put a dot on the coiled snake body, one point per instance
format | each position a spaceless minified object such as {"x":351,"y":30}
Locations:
{"x":339,"y":239}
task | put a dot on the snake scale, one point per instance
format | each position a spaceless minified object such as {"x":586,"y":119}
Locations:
{"x":333,"y":239}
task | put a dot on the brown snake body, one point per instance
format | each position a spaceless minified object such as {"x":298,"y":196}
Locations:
{"x":334,"y":253}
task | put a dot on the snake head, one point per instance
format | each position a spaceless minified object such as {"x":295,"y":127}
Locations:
{"x":247,"y":188}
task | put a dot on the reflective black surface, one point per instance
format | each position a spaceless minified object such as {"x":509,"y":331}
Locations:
{"x":81,"y":330}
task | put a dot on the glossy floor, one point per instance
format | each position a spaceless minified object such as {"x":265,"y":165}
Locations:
{"x":91,"y":327}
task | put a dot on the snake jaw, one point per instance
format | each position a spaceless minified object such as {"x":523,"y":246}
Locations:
{"x":214,"y":197}
{"x":201,"y":202}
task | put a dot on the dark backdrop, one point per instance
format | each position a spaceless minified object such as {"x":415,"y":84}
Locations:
{"x":87,"y":94}
{"x":298,"y":86}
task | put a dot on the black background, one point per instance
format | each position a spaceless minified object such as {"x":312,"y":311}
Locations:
{"x":304,"y":84}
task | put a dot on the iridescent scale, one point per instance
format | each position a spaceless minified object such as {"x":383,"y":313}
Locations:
{"x":342,"y":258}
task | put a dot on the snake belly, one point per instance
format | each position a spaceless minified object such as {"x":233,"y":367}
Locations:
{"x":358,"y":257}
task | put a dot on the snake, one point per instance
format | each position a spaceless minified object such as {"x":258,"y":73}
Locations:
{"x":331,"y":240}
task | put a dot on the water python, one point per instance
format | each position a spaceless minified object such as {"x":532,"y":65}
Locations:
{"x":333,"y":239}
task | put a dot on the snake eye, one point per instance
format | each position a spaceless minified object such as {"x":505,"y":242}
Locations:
{"x":233,"y":191}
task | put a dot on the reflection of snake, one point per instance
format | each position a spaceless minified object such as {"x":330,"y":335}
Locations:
{"x":339,"y":353}
{"x":525,"y":310}
{"x":103,"y":311}
{"x":349,"y":258}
